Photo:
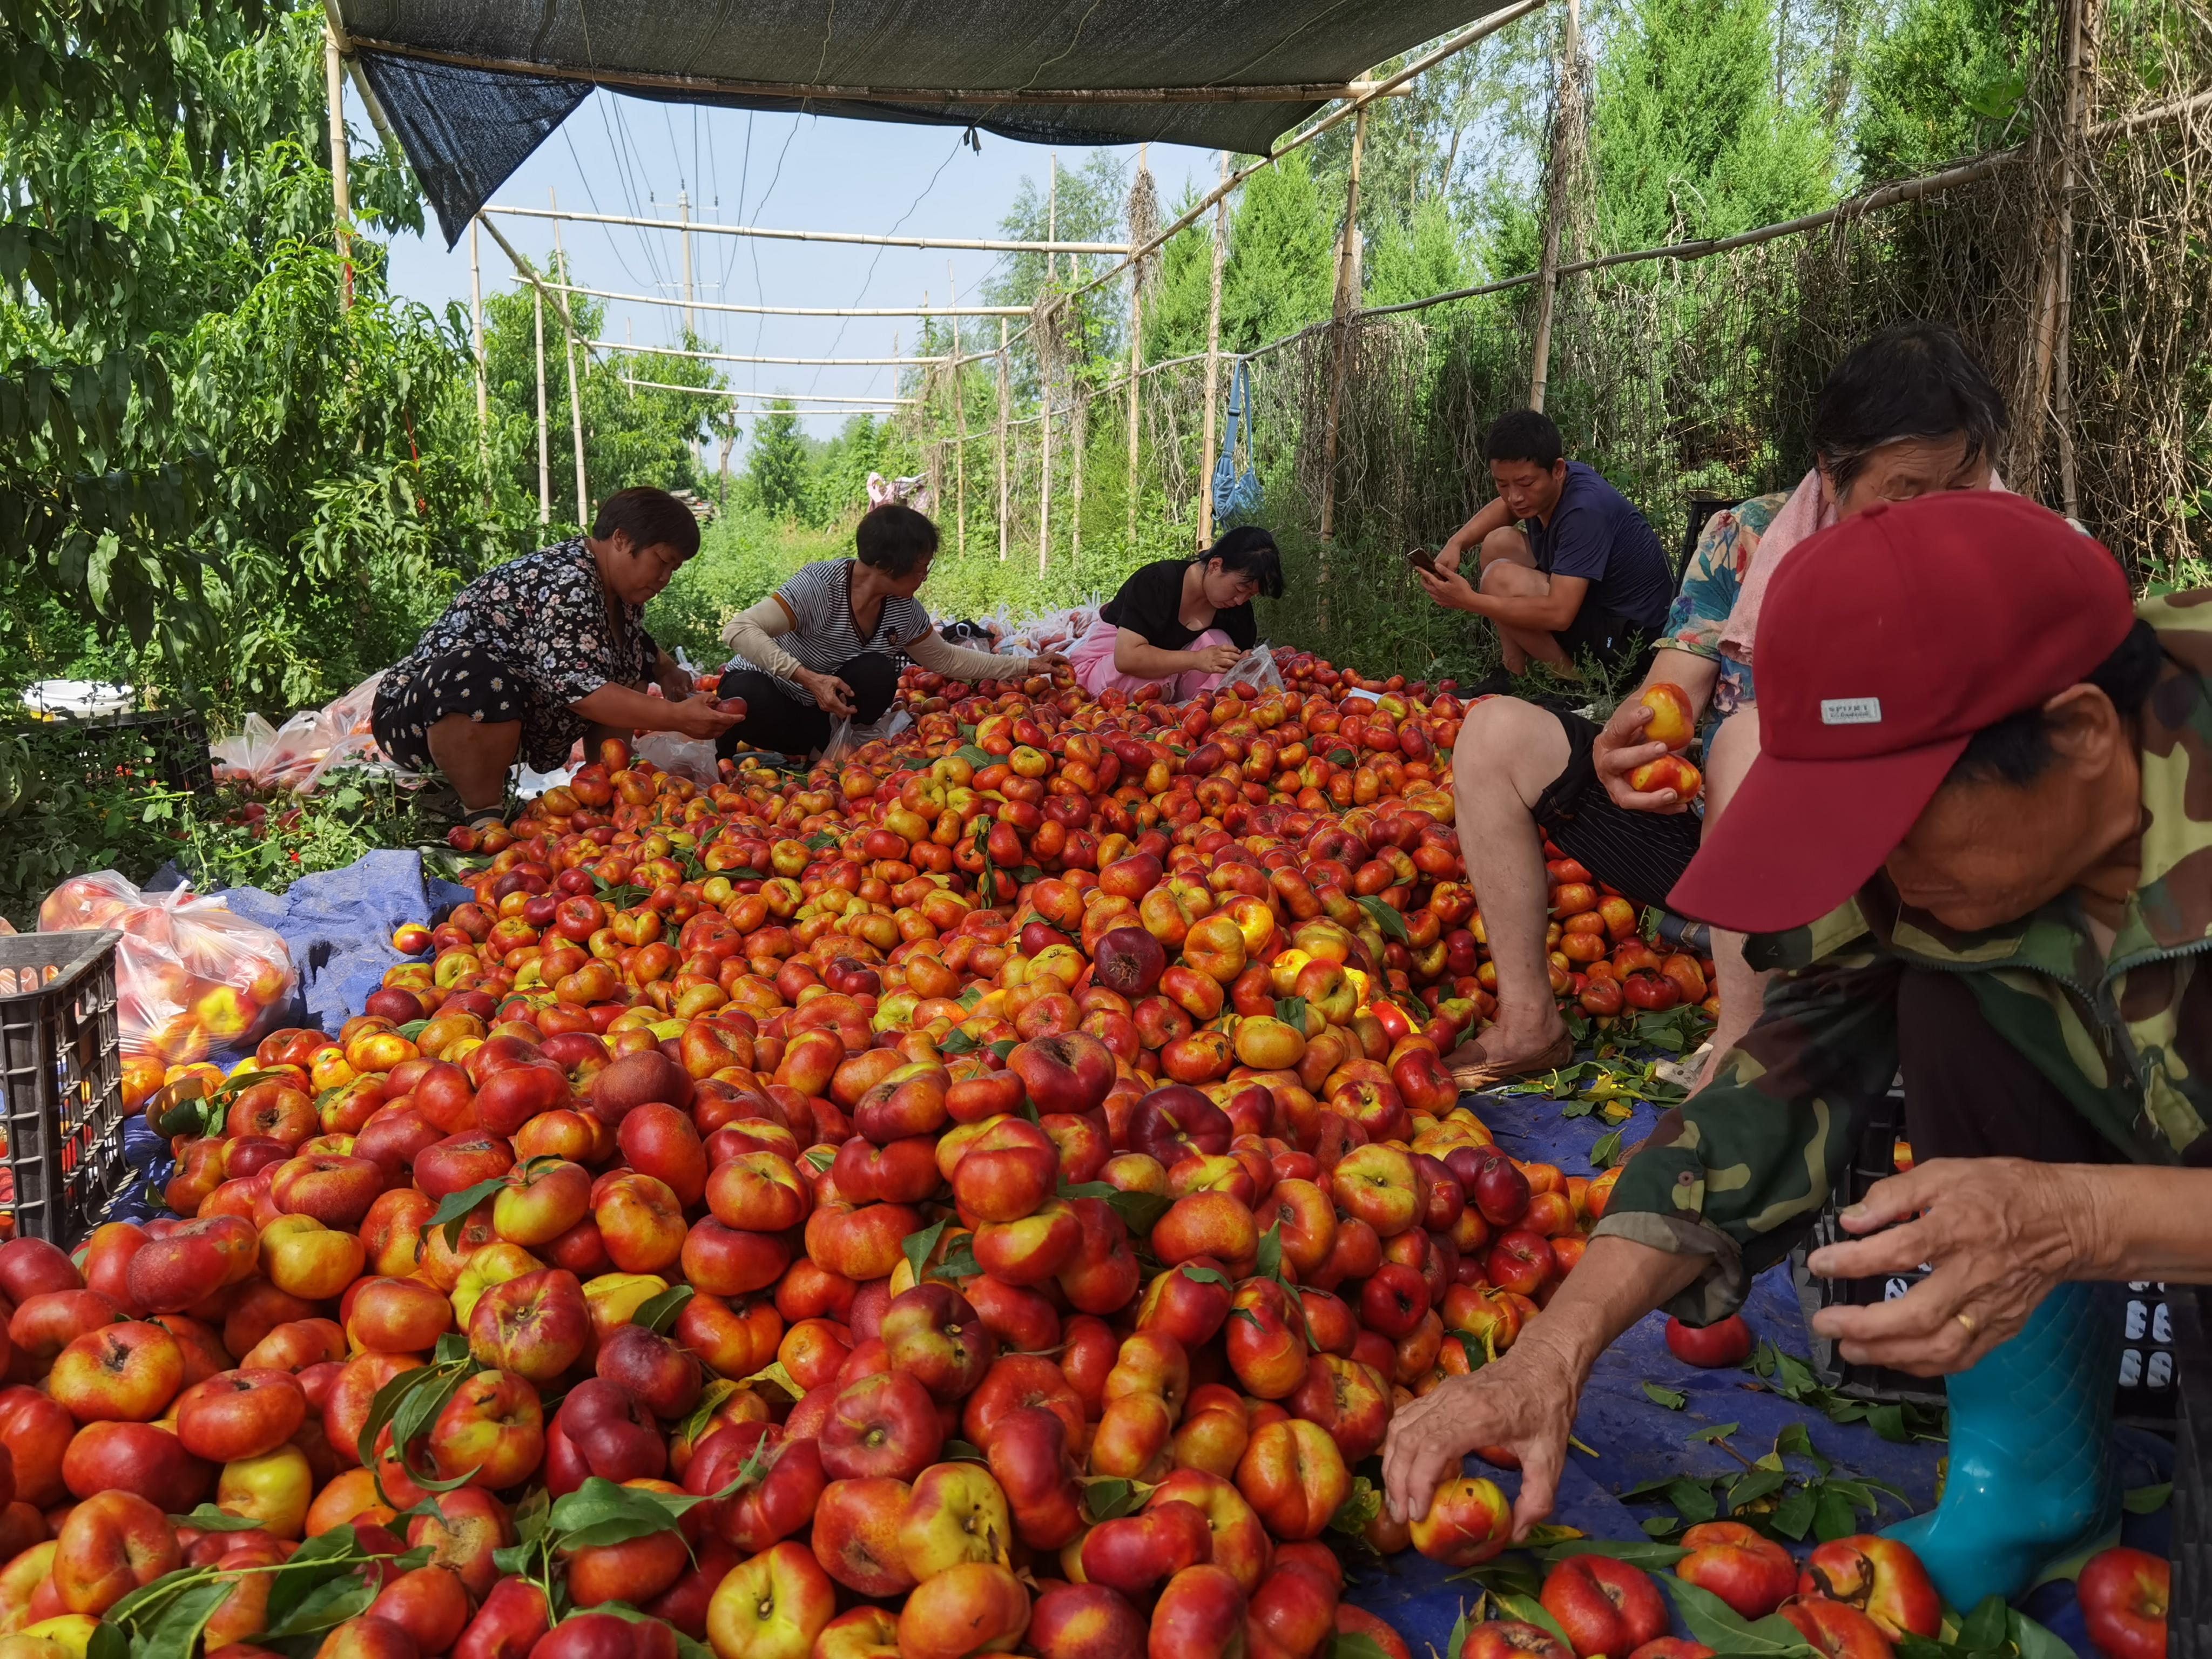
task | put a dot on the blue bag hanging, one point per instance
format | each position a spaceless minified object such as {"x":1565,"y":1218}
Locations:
{"x":1237,"y":492}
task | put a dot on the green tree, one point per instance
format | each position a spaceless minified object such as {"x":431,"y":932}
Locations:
{"x":1280,"y":274}
{"x":1411,"y":258}
{"x":776,"y":471}
{"x":1943,"y":81}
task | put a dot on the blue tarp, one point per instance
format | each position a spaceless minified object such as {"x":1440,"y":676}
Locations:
{"x":339,"y":926}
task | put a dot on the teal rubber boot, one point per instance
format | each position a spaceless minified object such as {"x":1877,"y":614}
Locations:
{"x":2030,"y":1477}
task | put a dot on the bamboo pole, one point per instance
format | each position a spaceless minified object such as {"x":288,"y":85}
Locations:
{"x":575,"y":389}
{"x":851,"y":238}
{"x":476,"y":335}
{"x":544,"y":469}
{"x":739,"y":357}
{"x":1347,"y":306}
{"x":1566,"y":116}
{"x":1076,"y":435}
{"x":1044,"y":376}
{"x":1002,"y":439}
{"x":960,"y":425}
{"x":716,"y":85}
{"x":341,"y":186}
{"x":1136,"y":384}
{"x":805,"y":403}
{"x":925,"y":310}
{"x":1212,"y":358}
{"x":2053,"y":395}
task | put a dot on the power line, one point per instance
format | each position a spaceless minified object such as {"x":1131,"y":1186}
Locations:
{"x":909,"y":213}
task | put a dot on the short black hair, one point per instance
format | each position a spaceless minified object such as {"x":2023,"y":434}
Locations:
{"x":1524,"y":435}
{"x":1250,"y":551}
{"x":650,"y":518}
{"x":894,"y":540}
{"x":1914,"y":381}
{"x":2017,"y":748}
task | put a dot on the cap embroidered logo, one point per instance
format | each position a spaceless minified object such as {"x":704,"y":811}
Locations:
{"x":1850,"y":711}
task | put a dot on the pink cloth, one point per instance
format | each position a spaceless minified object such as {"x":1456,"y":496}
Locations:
{"x":1092,"y":659}
{"x":1805,"y":514}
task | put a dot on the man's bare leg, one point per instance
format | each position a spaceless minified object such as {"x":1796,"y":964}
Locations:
{"x":1507,"y":580}
{"x":1508,"y":546}
{"x":1507,"y":755}
{"x":476,"y":757}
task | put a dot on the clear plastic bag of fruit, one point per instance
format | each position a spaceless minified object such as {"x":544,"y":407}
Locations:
{"x":1257,"y":669}
{"x":190,"y":977}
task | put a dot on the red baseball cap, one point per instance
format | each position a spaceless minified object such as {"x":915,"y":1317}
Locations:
{"x":1884,"y":643}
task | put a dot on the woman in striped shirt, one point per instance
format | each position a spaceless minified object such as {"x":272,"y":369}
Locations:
{"x":823,"y":646}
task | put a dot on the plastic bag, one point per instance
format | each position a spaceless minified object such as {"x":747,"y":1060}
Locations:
{"x":1255,"y":668}
{"x":297,"y":755}
{"x":190,"y":976}
{"x":685,"y":757}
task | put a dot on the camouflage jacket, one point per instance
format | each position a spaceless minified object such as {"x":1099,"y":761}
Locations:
{"x":1740,"y":1170}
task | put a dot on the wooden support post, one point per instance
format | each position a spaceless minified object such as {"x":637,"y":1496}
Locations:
{"x":1136,"y":386}
{"x":575,"y":389}
{"x":1566,"y":138}
{"x":2054,"y":393}
{"x":341,"y":189}
{"x":1002,"y":439}
{"x":476,"y":335}
{"x":1347,"y":304}
{"x":544,"y":472}
{"x":1078,"y":430}
{"x":1044,"y":480}
{"x":959,"y":426}
{"x":1213,"y":363}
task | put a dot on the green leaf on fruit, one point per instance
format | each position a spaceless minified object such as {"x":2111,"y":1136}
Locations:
{"x":1983,"y":1631}
{"x":329,"y":1604}
{"x":320,"y":1561}
{"x":1660,"y":1526}
{"x":208,"y":1518}
{"x":1140,"y":1211}
{"x":1531,"y":1611}
{"x":2147,"y":1500}
{"x":959,"y":1451}
{"x":451,"y":1347}
{"x":1605,"y":1152}
{"x":1477,"y":1350}
{"x":515,"y":1558}
{"x":1711,"y":1435}
{"x":1652,"y":1557}
{"x":453,"y":1212}
{"x":1199,"y":1275}
{"x":967,"y":1000}
{"x":1387,"y":920}
{"x":711,"y":1399}
{"x":599,"y":1513}
{"x":176,"y":1633}
{"x":918,"y":1247}
{"x":1795,"y":1440}
{"x":1108,"y":1498}
{"x":1356,"y":1645}
{"x":978,"y":758}
{"x":1753,"y":1485}
{"x":1673,"y":1398}
{"x":1359,"y":1507}
{"x":1292,"y":1011}
{"x":2032,"y":1641}
{"x":1834,"y":1515}
{"x":388,"y":1399}
{"x":657,"y":1313}
{"x":959,"y":1263}
{"x":1267,"y":1262}
{"x":685,"y":1647}
{"x":820,"y":842}
{"x":1793,"y":1515}
{"x":821,"y":1158}
{"x":957,"y":1043}
{"x":1693,"y":1500}
{"x":1711,"y":1620}
{"x":773,"y":1372}
{"x":412,"y":1417}
{"x":107,"y":1641}
{"x":413,"y":1028}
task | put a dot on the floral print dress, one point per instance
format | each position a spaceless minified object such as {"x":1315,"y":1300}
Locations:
{"x":1708,"y":593}
{"x":523,"y":642}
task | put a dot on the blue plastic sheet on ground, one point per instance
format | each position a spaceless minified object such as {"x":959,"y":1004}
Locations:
{"x":1636,"y":1439}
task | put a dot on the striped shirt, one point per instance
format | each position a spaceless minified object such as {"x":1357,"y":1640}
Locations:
{"x":819,"y":602}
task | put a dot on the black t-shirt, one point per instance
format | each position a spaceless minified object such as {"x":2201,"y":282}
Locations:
{"x":1151,"y":604}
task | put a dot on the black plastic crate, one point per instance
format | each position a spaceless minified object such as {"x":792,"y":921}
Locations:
{"x":61,"y":1081}
{"x":2188,"y":1613}
{"x":2149,"y":1365}
{"x":170,"y":749}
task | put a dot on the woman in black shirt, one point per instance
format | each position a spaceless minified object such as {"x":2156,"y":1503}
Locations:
{"x":1182,"y":621}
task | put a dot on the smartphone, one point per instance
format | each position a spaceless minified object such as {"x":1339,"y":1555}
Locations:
{"x":1419,"y":558}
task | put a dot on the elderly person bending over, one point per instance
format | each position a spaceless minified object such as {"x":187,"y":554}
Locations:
{"x":1979,"y":808}
{"x":824,"y":646}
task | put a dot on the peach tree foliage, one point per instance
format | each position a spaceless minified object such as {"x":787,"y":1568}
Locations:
{"x":203,"y":454}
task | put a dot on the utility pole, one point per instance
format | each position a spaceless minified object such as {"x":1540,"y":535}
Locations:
{"x":1213,"y":363}
{"x":1347,"y":302}
{"x":1566,"y":144}
{"x":959,"y":425}
{"x":544,"y":469}
{"x":1002,"y":394}
{"x":341,"y":196}
{"x":476,"y":330}
{"x":575,"y":391}
{"x":683,"y":211}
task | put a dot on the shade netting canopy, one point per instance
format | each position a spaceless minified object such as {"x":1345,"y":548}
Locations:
{"x":472,"y":86}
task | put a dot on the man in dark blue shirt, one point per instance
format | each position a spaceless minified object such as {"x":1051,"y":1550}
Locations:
{"x":1566,"y":566}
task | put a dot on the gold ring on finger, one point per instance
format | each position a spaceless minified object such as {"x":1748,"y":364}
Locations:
{"x":1966,"y":1319}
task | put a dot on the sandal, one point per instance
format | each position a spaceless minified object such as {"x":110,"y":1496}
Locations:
{"x":1473,"y":1079}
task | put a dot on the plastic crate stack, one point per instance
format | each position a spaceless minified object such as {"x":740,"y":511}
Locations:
{"x":61,"y":1082}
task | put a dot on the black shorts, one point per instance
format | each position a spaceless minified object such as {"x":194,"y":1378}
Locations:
{"x":796,"y":725}
{"x":472,"y":683}
{"x":1604,"y":635}
{"x":1639,"y":855}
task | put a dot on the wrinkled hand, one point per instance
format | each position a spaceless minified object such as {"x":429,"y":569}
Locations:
{"x":1451,"y":590}
{"x":1619,"y":749}
{"x":830,"y":694}
{"x":1217,"y":659}
{"x":675,"y":685}
{"x":698,"y":717}
{"x":1524,"y":1401}
{"x":1046,"y":662}
{"x":2000,"y":1233}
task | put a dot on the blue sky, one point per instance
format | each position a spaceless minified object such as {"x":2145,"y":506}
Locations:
{"x":625,"y":155}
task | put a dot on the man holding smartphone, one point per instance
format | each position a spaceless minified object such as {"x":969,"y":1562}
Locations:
{"x":1565,"y":565}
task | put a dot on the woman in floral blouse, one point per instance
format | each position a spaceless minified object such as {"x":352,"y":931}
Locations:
{"x":542,"y":651}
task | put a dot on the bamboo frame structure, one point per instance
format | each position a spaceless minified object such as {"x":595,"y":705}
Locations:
{"x":739,"y":357}
{"x":544,"y":473}
{"x":960,"y":425}
{"x":1566,"y":113}
{"x":576,"y":387}
{"x":477,"y":339}
{"x":874,"y":406}
{"x":1213,"y":356}
{"x":924,"y":310}
{"x":1346,"y":307}
{"x":341,"y":185}
{"x":850,"y":238}
{"x":1002,"y":439}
